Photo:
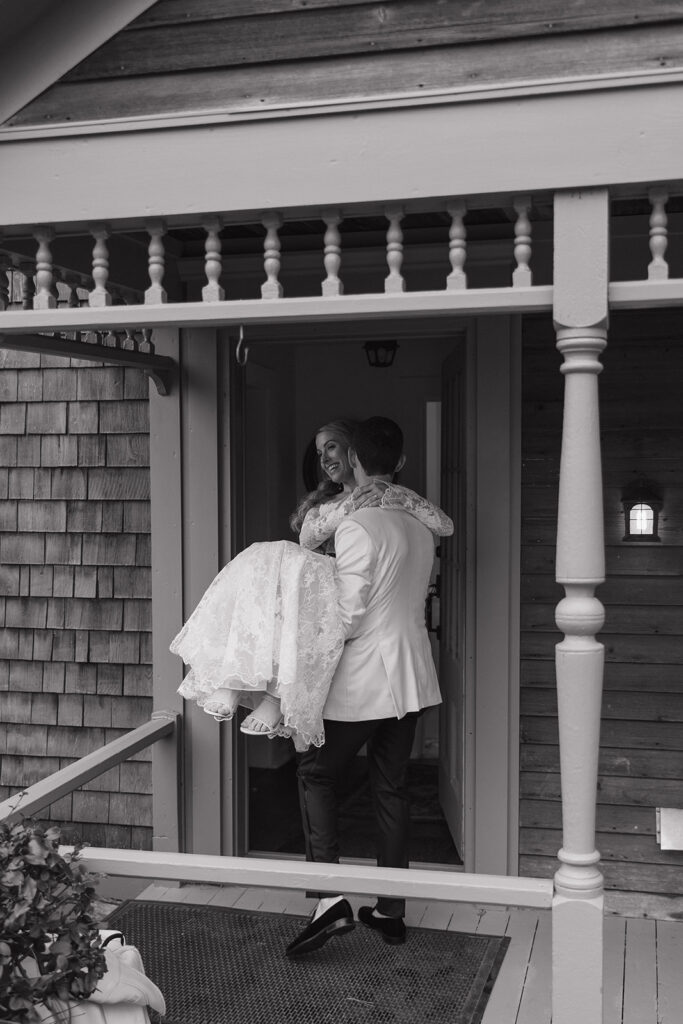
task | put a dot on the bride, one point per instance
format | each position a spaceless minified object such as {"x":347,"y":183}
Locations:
{"x":266,"y":634}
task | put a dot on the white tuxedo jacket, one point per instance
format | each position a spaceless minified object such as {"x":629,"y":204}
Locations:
{"x":384,"y":561}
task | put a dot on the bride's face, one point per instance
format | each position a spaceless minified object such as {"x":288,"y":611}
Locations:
{"x":334,"y":458}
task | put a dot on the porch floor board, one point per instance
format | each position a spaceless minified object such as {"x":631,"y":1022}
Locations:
{"x":643,"y":979}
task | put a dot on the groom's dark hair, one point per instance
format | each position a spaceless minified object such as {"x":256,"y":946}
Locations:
{"x":378,"y":443}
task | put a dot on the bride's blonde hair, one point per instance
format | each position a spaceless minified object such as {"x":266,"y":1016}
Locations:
{"x":342,"y":430}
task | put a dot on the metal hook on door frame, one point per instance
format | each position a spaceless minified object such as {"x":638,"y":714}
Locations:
{"x":242,"y":350}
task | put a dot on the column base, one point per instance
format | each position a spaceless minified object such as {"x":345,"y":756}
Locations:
{"x":577,"y":959}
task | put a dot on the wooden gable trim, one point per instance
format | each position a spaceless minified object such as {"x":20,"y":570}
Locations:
{"x":61,"y":37}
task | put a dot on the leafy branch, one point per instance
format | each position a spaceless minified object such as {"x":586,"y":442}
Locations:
{"x":49,"y":942}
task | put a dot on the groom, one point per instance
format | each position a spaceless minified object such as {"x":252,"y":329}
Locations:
{"x":385,"y":678}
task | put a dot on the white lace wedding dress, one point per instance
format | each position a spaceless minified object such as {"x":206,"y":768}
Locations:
{"x":269,"y":621}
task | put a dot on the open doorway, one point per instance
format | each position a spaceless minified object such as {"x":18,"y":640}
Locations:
{"x":290,"y":387}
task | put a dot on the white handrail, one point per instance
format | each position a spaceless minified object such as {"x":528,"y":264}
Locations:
{"x":358,"y":879}
{"x":281,"y":311}
{"x":45,"y":792}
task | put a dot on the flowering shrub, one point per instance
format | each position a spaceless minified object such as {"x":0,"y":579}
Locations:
{"x":49,"y":944}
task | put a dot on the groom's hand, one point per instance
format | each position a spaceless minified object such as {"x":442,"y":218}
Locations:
{"x":369,"y":495}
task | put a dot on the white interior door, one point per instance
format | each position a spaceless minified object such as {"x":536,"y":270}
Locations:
{"x":452,"y":603}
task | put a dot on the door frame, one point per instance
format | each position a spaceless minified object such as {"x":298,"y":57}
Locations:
{"x":493,"y":396}
{"x":493,"y":678}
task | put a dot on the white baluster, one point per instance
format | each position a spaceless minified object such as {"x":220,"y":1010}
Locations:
{"x":271,"y":287}
{"x":99,"y":296}
{"x":213,"y":262}
{"x":84,"y":285}
{"x":28,"y":285}
{"x":658,"y":269}
{"x":521,"y":275}
{"x":155,"y":294}
{"x":394,"y":281}
{"x":457,"y":247}
{"x":5,"y":266}
{"x":146,"y":345}
{"x":332,"y":285}
{"x":44,"y":297}
{"x":72,"y":284}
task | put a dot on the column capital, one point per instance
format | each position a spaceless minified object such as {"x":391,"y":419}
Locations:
{"x":581,"y":348}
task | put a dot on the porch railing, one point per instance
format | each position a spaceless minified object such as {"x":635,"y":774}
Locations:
{"x":80,"y":287}
{"x":357,"y":879}
{"x":28,"y":801}
{"x":362,"y":880}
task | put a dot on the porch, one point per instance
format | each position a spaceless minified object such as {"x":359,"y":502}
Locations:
{"x":642,"y":982}
{"x":642,"y":978}
{"x":191,"y":537}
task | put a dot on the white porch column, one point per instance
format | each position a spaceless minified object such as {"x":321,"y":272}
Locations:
{"x":580,"y":315}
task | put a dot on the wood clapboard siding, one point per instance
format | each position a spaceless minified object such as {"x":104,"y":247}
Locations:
{"x":641,"y":754}
{"x":75,"y":608}
{"x":221,"y":55}
{"x":306,"y":33}
{"x":546,"y":17}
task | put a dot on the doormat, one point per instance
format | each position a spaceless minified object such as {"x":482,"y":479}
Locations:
{"x":219,"y":965}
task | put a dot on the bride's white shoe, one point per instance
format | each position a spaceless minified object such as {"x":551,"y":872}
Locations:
{"x":265,"y":719}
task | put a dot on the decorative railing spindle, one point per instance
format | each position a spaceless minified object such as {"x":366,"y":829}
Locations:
{"x":156,"y":294}
{"x":213,"y":263}
{"x":332,"y":285}
{"x":146,"y":345}
{"x":99,"y":296}
{"x":28,"y":284}
{"x":658,"y":269}
{"x":129,"y":342}
{"x":521,"y":275}
{"x":72,"y":284}
{"x":271,"y":287}
{"x":457,"y":247}
{"x":5,"y":267}
{"x":44,"y":297}
{"x":394,"y":282}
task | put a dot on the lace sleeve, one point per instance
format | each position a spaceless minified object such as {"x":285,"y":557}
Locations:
{"x":434,"y":518}
{"x":322,"y":521}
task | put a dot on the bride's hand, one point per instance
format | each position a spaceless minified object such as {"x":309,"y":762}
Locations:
{"x":369,"y":495}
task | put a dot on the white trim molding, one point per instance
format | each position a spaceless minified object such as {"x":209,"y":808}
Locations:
{"x":620,"y":138}
{"x":314,"y":108}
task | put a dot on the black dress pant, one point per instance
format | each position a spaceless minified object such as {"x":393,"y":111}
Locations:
{"x":389,"y":742}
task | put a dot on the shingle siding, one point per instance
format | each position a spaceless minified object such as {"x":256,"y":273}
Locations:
{"x":75,"y":585}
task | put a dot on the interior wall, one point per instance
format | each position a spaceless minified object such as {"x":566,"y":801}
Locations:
{"x":300,"y":387}
{"x":334,"y":379}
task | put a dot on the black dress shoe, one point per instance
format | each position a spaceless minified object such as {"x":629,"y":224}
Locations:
{"x":335,"y":921}
{"x":392,"y":929}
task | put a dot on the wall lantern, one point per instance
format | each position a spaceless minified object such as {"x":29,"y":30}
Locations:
{"x":642,"y":506}
{"x":380,"y":353}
